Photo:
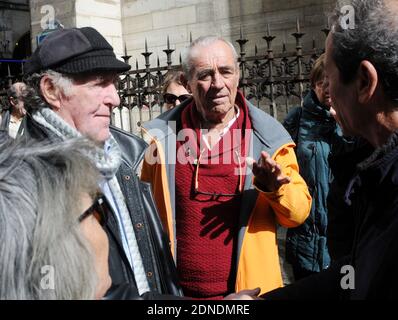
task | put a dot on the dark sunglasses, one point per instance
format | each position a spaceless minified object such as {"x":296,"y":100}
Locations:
{"x":100,"y":209}
{"x":171,"y":98}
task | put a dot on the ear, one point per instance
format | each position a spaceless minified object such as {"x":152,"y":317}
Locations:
{"x":12,"y":101}
{"x":50,"y":92}
{"x":367,"y":81}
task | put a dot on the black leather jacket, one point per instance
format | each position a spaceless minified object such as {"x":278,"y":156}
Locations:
{"x":152,"y":241}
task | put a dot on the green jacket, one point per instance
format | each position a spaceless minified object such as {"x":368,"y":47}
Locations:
{"x":314,"y":129}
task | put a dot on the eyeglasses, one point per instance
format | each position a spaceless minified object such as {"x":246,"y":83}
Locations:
{"x":100,"y":209}
{"x":171,"y":98}
{"x":217,"y":195}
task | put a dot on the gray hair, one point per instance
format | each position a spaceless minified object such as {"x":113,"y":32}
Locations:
{"x":15,"y":91}
{"x":40,"y":185}
{"x":203,"y":41}
{"x":33,"y":98}
{"x":373,"y":38}
{"x":12,"y":92}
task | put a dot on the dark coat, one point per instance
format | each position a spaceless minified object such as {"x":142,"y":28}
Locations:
{"x":343,"y":159}
{"x":374,"y":196}
{"x":152,"y":241}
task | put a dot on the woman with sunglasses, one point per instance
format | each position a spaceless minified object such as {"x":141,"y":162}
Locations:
{"x":52,"y":245}
{"x":173,"y":90}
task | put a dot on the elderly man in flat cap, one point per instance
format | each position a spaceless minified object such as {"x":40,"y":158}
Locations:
{"x":71,"y":92}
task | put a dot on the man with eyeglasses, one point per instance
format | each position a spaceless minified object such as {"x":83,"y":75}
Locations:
{"x":71,"y":92}
{"x":221,"y":220}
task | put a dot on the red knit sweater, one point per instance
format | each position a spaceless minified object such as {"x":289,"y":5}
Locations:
{"x":207,"y":226}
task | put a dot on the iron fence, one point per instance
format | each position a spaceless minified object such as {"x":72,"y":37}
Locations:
{"x":273,"y":81}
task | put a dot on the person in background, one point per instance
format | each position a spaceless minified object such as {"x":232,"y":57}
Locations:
{"x":313,"y":128}
{"x":51,"y":239}
{"x":12,"y":119}
{"x":173,"y":90}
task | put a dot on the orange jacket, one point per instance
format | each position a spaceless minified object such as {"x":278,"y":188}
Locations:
{"x":258,"y":259}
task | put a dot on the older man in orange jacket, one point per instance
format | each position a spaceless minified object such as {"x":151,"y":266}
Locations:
{"x":220,"y":219}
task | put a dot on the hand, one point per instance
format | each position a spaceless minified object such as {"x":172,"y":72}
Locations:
{"x":250,"y":294}
{"x":335,"y":115}
{"x":268,"y":173}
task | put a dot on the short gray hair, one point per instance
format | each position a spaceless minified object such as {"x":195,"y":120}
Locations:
{"x":373,"y":38}
{"x":33,"y":98}
{"x":203,"y":41}
{"x":40,"y":188}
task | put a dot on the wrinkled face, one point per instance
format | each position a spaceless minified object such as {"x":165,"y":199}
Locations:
{"x":343,"y":100}
{"x":98,"y":243}
{"x":214,"y":81}
{"x":89,"y":104}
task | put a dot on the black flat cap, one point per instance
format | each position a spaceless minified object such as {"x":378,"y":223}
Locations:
{"x":74,"y":51}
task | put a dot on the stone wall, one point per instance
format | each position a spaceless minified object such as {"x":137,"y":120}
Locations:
{"x":64,"y":13}
{"x":154,"y":20}
{"x":13,"y":25}
{"x":104,"y":15}
{"x":130,"y":22}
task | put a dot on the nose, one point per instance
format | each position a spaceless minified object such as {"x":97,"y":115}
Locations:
{"x":217,"y":81}
{"x":111,"y":98}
